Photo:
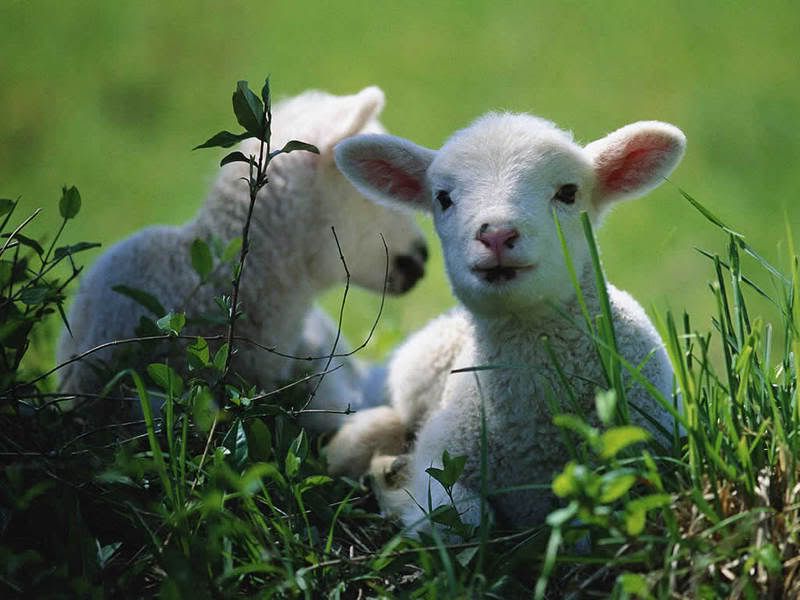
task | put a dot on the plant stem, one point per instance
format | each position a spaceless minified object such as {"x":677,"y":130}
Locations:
{"x":255,"y":185}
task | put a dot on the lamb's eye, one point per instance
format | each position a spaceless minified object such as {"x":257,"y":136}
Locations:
{"x":444,"y":199}
{"x":566,"y":193}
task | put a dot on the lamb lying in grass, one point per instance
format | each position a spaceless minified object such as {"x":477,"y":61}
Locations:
{"x":293,"y":255}
{"x":493,"y":189}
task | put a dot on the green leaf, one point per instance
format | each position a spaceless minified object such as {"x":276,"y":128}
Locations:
{"x":249,"y":110}
{"x":235,"y":156}
{"x":105,"y":553}
{"x":636,"y":584}
{"x":232,"y":249}
{"x":299,"y":446}
{"x":578,"y":425}
{"x":634,"y":521}
{"x":172,"y":323}
{"x":6,"y":272}
{"x":606,"y":403}
{"x":224,"y":139}
{"x":198,"y":354}
{"x":615,"y":485}
{"x":221,"y":357}
{"x":448,"y":516}
{"x":202,"y":262}
{"x":147,"y":300}
{"x":74,"y":249}
{"x":294,"y":145}
{"x":636,"y":511}
{"x":558,"y":517}
{"x":259,"y":439}
{"x":292,"y":464}
{"x":616,"y":439}
{"x":166,"y":378}
{"x":70,"y":203}
{"x":452,"y":470}
{"x":566,"y":483}
{"x":313,"y":481}
{"x":35,"y":295}
{"x":204,"y":408}
{"x":6,"y":206}
{"x":26,"y":241}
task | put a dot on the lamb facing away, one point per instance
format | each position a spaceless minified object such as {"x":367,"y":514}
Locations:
{"x":493,"y":189}
{"x":293,"y":255}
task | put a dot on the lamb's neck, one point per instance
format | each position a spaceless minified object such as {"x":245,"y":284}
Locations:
{"x":275,"y":272}
{"x":501,"y":334}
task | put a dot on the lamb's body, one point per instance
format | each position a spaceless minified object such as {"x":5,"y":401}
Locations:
{"x":444,"y":408}
{"x":292,"y":258}
{"x":495,"y":187}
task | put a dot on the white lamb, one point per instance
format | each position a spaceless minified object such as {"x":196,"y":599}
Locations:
{"x":293,"y":255}
{"x":493,"y":189}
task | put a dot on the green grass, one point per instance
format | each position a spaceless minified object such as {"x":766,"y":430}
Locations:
{"x":236,"y":502}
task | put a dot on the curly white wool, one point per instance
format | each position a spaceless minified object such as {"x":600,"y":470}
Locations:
{"x":293,"y":256}
{"x":493,"y":189}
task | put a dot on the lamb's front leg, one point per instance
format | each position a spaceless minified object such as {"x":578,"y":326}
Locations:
{"x":407,"y":492}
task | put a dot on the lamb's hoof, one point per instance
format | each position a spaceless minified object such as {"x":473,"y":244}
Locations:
{"x":390,"y":471}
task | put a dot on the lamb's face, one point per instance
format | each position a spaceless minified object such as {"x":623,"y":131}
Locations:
{"x":495,"y":188}
{"x":325,"y":120}
{"x":362,"y":227}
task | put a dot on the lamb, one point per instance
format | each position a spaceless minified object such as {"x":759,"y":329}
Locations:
{"x":293,"y":255}
{"x":493,"y":189}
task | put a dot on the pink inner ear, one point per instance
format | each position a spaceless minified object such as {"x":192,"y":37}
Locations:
{"x":392,"y":181}
{"x":636,"y":165}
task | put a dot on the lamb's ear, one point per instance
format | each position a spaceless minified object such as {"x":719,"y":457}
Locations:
{"x":634,"y":159}
{"x":351,"y":115}
{"x":387,"y":169}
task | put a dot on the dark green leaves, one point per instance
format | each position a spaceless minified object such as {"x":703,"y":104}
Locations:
{"x":224,"y":139}
{"x":235,"y":157}
{"x":172,"y":323}
{"x":147,"y":300}
{"x":451,"y":471}
{"x":249,"y":110}
{"x":63,"y":251}
{"x":251,"y":114}
{"x":6,"y":206}
{"x":166,"y":378}
{"x":202,"y":262}
{"x":70,"y":203}
{"x":26,"y":241}
{"x":259,"y":439}
{"x":292,"y":146}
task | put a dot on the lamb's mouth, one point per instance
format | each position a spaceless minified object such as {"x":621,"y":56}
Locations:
{"x":500,"y":273}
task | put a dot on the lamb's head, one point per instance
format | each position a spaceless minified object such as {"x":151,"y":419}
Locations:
{"x":324,"y":120}
{"x":495,"y":189}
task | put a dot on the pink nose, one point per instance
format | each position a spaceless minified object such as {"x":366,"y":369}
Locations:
{"x":497,"y":239}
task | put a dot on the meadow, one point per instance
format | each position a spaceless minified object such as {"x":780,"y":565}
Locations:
{"x":111,"y":97}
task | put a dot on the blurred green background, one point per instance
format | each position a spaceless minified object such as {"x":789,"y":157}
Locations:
{"x":112,"y":96}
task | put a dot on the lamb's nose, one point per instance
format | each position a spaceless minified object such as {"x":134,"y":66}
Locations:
{"x":497,"y":239}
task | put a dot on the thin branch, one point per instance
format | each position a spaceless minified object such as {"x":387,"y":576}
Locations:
{"x":19,"y":228}
{"x":339,"y":324}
